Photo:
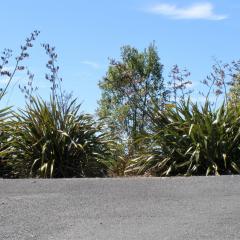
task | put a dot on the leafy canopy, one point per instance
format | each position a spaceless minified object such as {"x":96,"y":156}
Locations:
{"x":128,"y":90}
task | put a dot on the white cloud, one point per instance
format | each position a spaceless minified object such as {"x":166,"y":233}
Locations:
{"x":91,"y":64}
{"x":195,"y":11}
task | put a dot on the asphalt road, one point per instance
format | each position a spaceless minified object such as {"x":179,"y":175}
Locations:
{"x":127,"y":208}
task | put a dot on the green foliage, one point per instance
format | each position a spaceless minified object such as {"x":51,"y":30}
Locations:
{"x":118,"y":160}
{"x":128,"y":89}
{"x":234,"y":92}
{"x":146,"y":126}
{"x":5,"y":142}
{"x":52,"y":141}
{"x":192,"y":140}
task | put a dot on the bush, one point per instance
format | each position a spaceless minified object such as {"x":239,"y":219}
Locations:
{"x":192,"y":140}
{"x":5,"y":142}
{"x":52,"y":140}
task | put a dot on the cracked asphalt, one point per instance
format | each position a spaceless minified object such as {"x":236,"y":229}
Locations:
{"x":120,"y":208}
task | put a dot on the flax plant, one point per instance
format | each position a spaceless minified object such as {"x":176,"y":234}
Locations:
{"x":192,"y":140}
{"x":50,"y":142}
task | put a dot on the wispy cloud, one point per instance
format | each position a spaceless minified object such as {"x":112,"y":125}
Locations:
{"x":195,"y":11}
{"x":91,"y":64}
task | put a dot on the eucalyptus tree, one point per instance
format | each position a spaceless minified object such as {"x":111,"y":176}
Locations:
{"x":130,"y":88}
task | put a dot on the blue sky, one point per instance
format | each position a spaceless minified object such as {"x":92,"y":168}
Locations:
{"x":86,"y":33}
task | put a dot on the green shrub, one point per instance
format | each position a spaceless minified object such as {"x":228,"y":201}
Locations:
{"x":5,"y":142}
{"x":191,"y":140}
{"x":118,"y":160}
{"x":52,"y":140}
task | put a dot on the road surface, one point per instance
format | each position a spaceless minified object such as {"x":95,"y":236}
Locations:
{"x":121,"y":208}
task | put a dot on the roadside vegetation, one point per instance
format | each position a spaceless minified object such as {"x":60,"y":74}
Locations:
{"x":145,"y":124}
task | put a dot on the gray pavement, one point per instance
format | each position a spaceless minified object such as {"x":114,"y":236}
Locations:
{"x":121,"y":208}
